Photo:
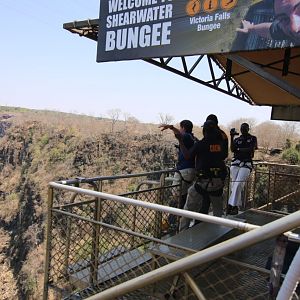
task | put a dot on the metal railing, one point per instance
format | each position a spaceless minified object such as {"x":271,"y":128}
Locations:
{"x":96,"y":240}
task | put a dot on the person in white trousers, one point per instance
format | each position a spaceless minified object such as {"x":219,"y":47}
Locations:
{"x":243,"y":148}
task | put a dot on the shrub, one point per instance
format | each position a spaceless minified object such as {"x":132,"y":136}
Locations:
{"x":57,"y":154}
{"x":291,"y":155}
{"x":9,"y":208}
{"x":44,"y":140}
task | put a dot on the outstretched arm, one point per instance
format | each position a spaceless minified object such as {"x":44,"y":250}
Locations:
{"x":167,"y":126}
{"x":178,"y":136}
{"x":262,"y":29}
{"x":175,"y":130}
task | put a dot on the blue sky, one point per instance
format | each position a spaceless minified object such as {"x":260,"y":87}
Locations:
{"x":44,"y":66}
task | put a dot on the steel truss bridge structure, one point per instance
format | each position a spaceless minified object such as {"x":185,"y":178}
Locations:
{"x":270,"y":78}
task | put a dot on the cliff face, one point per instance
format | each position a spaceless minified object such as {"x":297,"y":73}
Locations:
{"x":36,"y":148}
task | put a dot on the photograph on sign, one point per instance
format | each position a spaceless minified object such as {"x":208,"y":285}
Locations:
{"x":133,"y":29}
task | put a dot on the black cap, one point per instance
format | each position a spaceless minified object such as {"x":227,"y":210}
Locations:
{"x":209,"y":124}
{"x":209,"y":128}
{"x":213,"y":118}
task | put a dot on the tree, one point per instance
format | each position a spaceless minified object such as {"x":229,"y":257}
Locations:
{"x":237,"y":124}
{"x":114,"y":115}
{"x":165,"y":118}
{"x":129,"y":118}
{"x":133,"y":120}
{"x":269,"y":135}
{"x":126,"y":116}
{"x":290,"y":129}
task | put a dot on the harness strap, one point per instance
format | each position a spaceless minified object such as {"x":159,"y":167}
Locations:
{"x":205,"y":193}
{"x":213,"y":173}
{"x":242,"y":164}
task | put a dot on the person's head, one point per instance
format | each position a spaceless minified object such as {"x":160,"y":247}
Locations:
{"x":288,"y":13}
{"x":186,"y":126}
{"x":213,"y":118}
{"x":209,"y":129}
{"x":245,"y":128}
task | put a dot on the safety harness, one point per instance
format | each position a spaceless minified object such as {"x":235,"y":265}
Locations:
{"x":209,"y":175}
{"x":242,"y":164}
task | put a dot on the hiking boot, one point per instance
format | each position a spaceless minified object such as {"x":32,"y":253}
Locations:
{"x":229,"y":209}
{"x":232,"y":210}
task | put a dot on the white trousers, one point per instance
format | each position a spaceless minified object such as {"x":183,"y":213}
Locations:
{"x":239,"y":176}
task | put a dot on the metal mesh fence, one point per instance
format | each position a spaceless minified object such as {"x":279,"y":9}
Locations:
{"x":83,"y":263}
{"x":220,"y":279}
{"x":268,"y":183}
{"x":79,"y":274}
{"x":96,"y":244}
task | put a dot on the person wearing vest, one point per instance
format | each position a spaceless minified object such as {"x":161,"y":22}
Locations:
{"x":214,"y":118}
{"x":206,"y":198}
{"x":243,"y":148}
{"x":210,"y":171}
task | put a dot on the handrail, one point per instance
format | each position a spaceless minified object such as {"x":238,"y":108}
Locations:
{"x":280,"y":199}
{"x":291,"y":279}
{"x":122,"y":176}
{"x":275,"y":164}
{"x":98,"y":178}
{"x":158,"y":207}
{"x":167,"y":209}
{"x":247,"y":239}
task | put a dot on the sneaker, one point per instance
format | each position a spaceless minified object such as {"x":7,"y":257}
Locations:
{"x":232,"y":210}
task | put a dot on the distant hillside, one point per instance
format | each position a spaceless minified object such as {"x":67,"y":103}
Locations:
{"x":37,"y":147}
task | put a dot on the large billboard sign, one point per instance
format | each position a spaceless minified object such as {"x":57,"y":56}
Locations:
{"x":132,"y":29}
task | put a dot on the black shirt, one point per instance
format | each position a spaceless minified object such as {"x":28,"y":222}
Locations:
{"x":188,"y":141}
{"x":245,"y":141}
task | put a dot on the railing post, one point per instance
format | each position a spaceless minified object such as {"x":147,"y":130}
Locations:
{"x":179,"y":204}
{"x":272,"y":186}
{"x":274,"y":194}
{"x":269,"y":187}
{"x":68,"y":238}
{"x":158,"y":214}
{"x":95,"y":240}
{"x":253,"y":186}
{"x":277,"y":265}
{"x":228,"y":188}
{"x":48,"y":243}
{"x":133,"y":225}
